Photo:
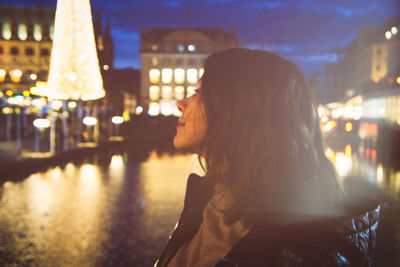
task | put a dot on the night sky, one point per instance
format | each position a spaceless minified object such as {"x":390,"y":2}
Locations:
{"x":309,"y":32}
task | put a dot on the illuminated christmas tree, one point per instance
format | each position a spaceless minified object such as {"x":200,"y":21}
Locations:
{"x":74,"y":65}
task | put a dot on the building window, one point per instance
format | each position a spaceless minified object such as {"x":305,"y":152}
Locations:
{"x":45,"y":52}
{"x":154,"y":109}
{"x":179,"y":75}
{"x":378,"y":51}
{"x":154,"y":61}
{"x":154,"y":76}
{"x":14,"y":50}
{"x":191,"y":75}
{"x":179,"y":92}
{"x":378,"y":67}
{"x":22,"y":31}
{"x":179,"y":61}
{"x":37,"y":32}
{"x":167,"y":92}
{"x":2,"y":75}
{"x":191,"y":48}
{"x":16,"y":75}
{"x":154,"y":92}
{"x":190,"y":90}
{"x":167,"y":107}
{"x":1,"y":50}
{"x":100,"y":45}
{"x":166,"y":75}
{"x":181,"y":48}
{"x":6,"y":30}
{"x":29,"y":51}
{"x":51,"y":31}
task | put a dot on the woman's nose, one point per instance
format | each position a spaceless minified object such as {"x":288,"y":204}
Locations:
{"x":182,"y":105}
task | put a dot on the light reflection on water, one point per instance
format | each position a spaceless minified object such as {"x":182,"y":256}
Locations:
{"x":350,"y":164}
{"x":95,"y":213}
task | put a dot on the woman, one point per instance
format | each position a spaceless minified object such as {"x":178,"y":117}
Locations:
{"x":270,"y":196}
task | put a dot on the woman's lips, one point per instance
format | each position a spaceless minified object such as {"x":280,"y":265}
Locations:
{"x":180,"y":124}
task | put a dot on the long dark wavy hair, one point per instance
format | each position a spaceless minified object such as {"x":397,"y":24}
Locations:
{"x":263,"y":136}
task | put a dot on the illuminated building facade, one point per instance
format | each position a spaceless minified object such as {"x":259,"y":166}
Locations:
{"x":26,"y":35}
{"x":172,"y":62}
{"x":372,"y":58}
{"x":25,"y":46}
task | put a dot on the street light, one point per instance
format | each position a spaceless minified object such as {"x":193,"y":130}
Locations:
{"x":33,"y":76}
{"x":117,"y":120}
{"x":394,"y":30}
{"x":90,"y":121}
{"x":40,"y":125}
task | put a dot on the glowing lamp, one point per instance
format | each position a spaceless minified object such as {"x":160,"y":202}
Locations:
{"x":89,"y":121}
{"x":388,"y":35}
{"x":17,"y":73}
{"x":7,"y":110}
{"x":9,"y":93}
{"x":394,"y":30}
{"x":39,"y":102}
{"x":56,"y":104}
{"x":398,"y":80}
{"x":41,"y":123}
{"x":348,"y":127}
{"x":139,"y":110}
{"x":33,"y":76}
{"x":117,"y":120}
{"x":191,"y":48}
{"x":2,"y":75}
{"x":26,"y":93}
{"x":72,"y":104}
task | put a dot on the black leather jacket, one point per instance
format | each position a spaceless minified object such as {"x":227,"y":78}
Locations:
{"x":345,"y":241}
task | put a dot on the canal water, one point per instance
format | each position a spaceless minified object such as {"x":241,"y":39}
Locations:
{"x":109,"y":210}
{"x":118,"y":208}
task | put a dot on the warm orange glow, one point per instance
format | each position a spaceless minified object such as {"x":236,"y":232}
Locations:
{"x":329,"y":125}
{"x":398,"y":80}
{"x":16,"y":75}
{"x":26,"y":93}
{"x":154,"y":75}
{"x":166,"y":75}
{"x":347,"y":150}
{"x":2,"y":75}
{"x":373,"y":155}
{"x":369,"y":129}
{"x":376,"y":80}
{"x":154,"y":93}
{"x":330,"y":154}
{"x":9,"y":93}
{"x":349,"y":127}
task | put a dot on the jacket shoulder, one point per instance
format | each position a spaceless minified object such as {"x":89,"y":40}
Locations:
{"x":346,"y":241}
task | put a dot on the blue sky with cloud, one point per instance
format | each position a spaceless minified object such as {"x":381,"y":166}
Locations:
{"x":309,"y":32}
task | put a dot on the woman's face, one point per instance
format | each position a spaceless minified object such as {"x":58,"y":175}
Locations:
{"x":192,"y":125}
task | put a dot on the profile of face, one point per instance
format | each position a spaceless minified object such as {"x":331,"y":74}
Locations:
{"x":192,"y":125}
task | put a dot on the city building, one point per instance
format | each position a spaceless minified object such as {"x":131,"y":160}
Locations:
{"x":172,"y":62}
{"x":370,"y":62}
{"x":26,"y":35}
{"x":366,"y":80}
{"x":25,"y":46}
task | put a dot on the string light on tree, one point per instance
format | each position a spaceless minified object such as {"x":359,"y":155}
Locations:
{"x":74,"y":66}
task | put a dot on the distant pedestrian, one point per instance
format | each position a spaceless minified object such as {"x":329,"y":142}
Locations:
{"x":270,"y":197}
